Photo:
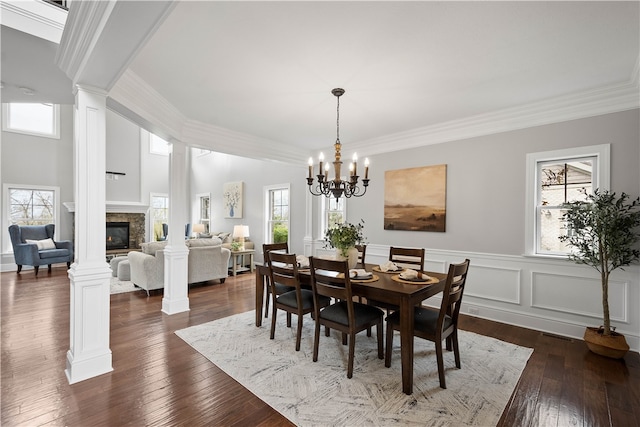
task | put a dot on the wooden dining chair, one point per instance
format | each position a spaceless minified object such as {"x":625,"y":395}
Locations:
{"x":330,"y":278}
{"x":412,"y":258}
{"x":279,"y":288}
{"x":436,"y":325}
{"x":362,"y":253}
{"x":283,"y":269}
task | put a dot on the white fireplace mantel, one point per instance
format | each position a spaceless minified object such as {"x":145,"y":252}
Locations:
{"x":115,"y":207}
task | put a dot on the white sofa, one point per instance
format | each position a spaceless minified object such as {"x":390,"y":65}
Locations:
{"x":208,"y":260}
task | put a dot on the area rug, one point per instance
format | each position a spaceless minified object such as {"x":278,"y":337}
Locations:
{"x":121,"y":286}
{"x":320,"y":394}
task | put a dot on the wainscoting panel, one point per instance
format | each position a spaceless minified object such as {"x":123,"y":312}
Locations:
{"x":569,"y":294}
{"x":546,"y":294}
{"x":494,"y":283}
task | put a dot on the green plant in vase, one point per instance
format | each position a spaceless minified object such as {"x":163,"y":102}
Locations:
{"x":345,"y":236}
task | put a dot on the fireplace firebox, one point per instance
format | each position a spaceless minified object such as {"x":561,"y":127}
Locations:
{"x":117,"y":235}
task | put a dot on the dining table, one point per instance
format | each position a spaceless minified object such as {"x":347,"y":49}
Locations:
{"x":387,"y":288}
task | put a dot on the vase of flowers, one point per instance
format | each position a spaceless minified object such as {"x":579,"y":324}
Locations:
{"x":344,"y":237}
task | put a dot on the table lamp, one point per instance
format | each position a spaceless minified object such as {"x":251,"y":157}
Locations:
{"x":197,"y":229}
{"x":240,"y":232}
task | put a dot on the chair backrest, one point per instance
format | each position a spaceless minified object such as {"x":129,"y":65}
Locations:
{"x":20,"y":233}
{"x":331,"y":278}
{"x":283,"y":269}
{"x":362,"y":252}
{"x":268,"y":247}
{"x":412,"y":258}
{"x":453,"y":291}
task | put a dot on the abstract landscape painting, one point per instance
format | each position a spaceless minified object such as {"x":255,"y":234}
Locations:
{"x":415,"y":199}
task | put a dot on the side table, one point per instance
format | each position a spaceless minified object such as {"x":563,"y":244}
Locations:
{"x":236,"y":261}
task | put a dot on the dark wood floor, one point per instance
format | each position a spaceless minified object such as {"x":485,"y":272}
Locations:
{"x":159,"y":380}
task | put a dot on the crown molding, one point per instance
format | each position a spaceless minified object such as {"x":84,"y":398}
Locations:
{"x":153,"y":110}
{"x":131,"y":94}
{"x":115,"y":207}
{"x":85,"y":24}
{"x":38,"y":18}
{"x":202,"y":135}
{"x":606,"y":100}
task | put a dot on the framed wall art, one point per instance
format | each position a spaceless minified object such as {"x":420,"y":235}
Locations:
{"x":415,"y":199}
{"x":232,"y":199}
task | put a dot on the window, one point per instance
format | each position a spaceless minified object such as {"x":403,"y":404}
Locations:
{"x":29,"y":205}
{"x":334,"y":211}
{"x":555,"y":178}
{"x":277,"y":214}
{"x":32,"y":119}
{"x":159,"y":215}
{"x":204,"y":208}
{"x":158,"y":145}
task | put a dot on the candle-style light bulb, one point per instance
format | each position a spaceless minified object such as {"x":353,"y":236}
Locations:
{"x":366,"y":168}
{"x":355,"y":164}
{"x":310,"y":167}
{"x":351,"y":169}
{"x":321,"y":158}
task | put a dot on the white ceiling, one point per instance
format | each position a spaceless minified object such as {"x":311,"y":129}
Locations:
{"x":267,"y":68}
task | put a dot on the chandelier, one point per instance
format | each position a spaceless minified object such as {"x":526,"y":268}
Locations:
{"x":337,"y":187}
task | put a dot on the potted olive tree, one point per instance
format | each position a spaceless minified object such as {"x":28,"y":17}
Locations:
{"x":603,"y":232}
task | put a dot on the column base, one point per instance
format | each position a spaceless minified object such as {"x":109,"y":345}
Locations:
{"x":80,"y":369}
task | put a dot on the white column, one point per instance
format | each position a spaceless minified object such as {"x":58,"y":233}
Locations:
{"x":176,"y":253}
{"x":89,"y":354}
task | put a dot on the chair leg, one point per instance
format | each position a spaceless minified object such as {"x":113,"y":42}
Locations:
{"x":456,"y":349}
{"x":19,"y":268}
{"x":327,"y":331}
{"x":316,"y":341}
{"x":440,"y":364}
{"x":387,"y":353}
{"x":449,"y":345}
{"x":266,"y":303}
{"x":68,"y":265}
{"x":288,"y":319}
{"x":49,"y":268}
{"x":352,"y":350}
{"x":36,"y":268}
{"x":344,"y":339}
{"x":273,"y":320}
{"x":380,"y":340}
{"x":299,"y":332}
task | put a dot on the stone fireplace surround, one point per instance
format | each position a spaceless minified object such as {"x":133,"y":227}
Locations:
{"x":136,"y":226}
{"x":133,"y":213}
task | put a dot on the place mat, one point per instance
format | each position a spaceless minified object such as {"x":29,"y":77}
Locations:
{"x":429,"y":281}
{"x":373,"y":278}
{"x":377,"y":268}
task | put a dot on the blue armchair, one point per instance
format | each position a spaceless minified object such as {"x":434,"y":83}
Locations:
{"x":33,"y":245}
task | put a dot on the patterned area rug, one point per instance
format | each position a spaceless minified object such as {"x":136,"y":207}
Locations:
{"x":320,"y":394}
{"x":120,"y":287}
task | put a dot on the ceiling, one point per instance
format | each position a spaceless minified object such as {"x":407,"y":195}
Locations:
{"x":267,"y":68}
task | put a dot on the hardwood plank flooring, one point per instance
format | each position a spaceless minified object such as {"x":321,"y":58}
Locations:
{"x":159,"y":380}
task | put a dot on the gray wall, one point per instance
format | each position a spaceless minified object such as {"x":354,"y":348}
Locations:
{"x":486,"y":182}
{"x":123,"y":155}
{"x":33,"y":160}
{"x":209,"y":173}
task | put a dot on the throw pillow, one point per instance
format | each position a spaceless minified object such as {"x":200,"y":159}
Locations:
{"x":43,"y":244}
{"x":150,"y":248}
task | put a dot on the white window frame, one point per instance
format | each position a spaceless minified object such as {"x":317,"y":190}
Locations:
{"x":151,"y":214}
{"x":601,"y":180}
{"x":6,"y":118}
{"x":325,"y":212}
{"x":267,"y":211}
{"x":6,"y":217}
{"x":198,"y":206}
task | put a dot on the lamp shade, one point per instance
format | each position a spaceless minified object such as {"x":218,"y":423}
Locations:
{"x":240,"y":231}
{"x":198,"y":228}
